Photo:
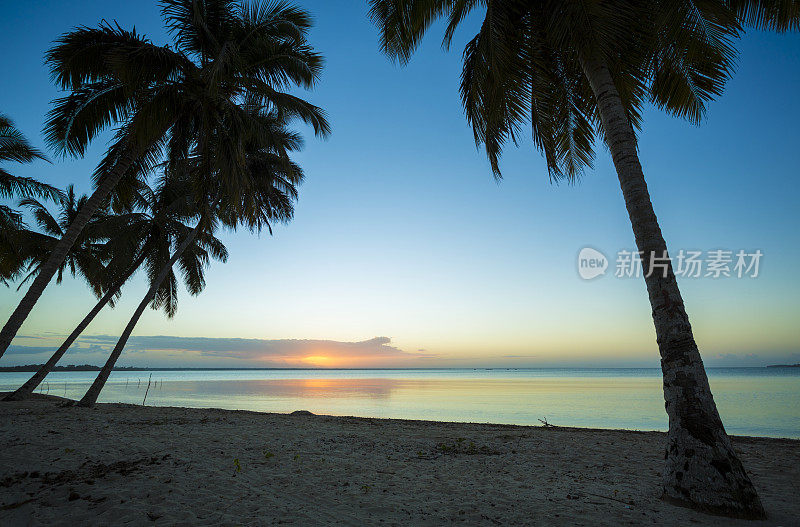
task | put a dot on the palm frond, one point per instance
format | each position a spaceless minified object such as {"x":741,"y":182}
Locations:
{"x":13,"y":145}
{"x":495,"y":80}
{"x":44,"y":219}
{"x":77,"y":118}
{"x":693,"y":55}
{"x":198,"y":26}
{"x":403,"y":23}
{"x":771,"y":15}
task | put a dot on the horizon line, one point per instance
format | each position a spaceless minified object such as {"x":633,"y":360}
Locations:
{"x":85,"y":367}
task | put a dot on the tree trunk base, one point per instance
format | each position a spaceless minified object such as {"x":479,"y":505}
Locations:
{"x":706,"y":475}
{"x":16,"y":396}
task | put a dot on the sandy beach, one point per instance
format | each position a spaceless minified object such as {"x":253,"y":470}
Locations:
{"x":125,"y":464}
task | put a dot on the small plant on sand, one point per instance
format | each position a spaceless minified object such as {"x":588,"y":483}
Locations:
{"x":365,"y":488}
{"x":268,"y":454}
{"x":236,"y":465}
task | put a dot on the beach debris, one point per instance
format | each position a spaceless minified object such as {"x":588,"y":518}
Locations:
{"x":88,"y":472}
{"x":545,"y":423}
{"x":628,"y":503}
{"x":16,"y":505}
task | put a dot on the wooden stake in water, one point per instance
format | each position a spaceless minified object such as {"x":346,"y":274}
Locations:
{"x":148,"y":389}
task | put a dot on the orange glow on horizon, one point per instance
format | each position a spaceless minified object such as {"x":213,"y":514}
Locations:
{"x":320,"y":360}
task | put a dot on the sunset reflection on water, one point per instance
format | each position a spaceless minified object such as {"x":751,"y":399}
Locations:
{"x":754,"y":401}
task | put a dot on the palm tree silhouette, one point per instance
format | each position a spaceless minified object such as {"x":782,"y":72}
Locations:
{"x":576,"y":70}
{"x":84,"y":258}
{"x":15,"y":148}
{"x":250,"y":181}
{"x":141,"y":237}
{"x":165,"y":99}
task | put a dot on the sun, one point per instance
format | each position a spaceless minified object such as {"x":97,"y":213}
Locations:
{"x":319,"y":360}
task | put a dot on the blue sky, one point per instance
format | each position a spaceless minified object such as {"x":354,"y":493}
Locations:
{"x":403,"y":240}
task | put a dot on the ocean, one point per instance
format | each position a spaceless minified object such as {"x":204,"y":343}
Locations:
{"x":752,"y":401}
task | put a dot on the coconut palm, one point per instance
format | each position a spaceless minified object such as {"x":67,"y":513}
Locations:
{"x":142,"y":237}
{"x":253,"y":184}
{"x":84,"y":259}
{"x":163,"y":99}
{"x":577,"y":70}
{"x":15,"y":148}
{"x":12,"y":261}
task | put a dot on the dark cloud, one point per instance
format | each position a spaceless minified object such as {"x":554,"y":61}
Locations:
{"x":29,"y":350}
{"x":17,"y":349}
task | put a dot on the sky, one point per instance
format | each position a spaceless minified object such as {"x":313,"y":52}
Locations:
{"x":404,"y":252}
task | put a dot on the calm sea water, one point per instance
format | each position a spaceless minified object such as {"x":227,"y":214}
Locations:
{"x":752,"y":401}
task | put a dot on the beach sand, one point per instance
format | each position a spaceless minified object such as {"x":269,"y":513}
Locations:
{"x":123,"y":464}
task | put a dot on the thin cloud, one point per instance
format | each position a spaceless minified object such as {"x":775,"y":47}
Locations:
{"x":235,"y":352}
{"x":16,"y":349}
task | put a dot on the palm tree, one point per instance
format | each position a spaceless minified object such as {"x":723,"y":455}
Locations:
{"x":15,"y":148}
{"x":141,"y":237}
{"x":255,"y":185}
{"x":84,"y":258}
{"x":575,"y":70}
{"x":164,"y":98}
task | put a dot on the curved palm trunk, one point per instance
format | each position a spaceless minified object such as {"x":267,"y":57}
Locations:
{"x":27,"y":389}
{"x":94,"y":390}
{"x":702,"y":469}
{"x":61,"y":249}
